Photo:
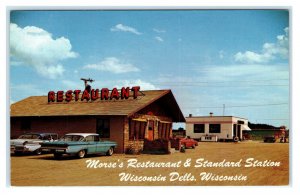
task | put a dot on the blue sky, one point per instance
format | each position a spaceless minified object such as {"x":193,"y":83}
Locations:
{"x":208,"y":58}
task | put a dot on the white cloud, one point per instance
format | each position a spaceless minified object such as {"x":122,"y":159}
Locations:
{"x":143,"y":84}
{"x":252,"y":57}
{"x":240,"y":72}
{"x":37,"y":48}
{"x":114,"y":65}
{"x":121,"y":27}
{"x":158,"y":30}
{"x":269,"y":52}
{"x":159,"y":39}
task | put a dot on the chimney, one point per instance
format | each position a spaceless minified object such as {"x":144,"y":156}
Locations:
{"x":190,"y":115}
{"x":211,"y":114}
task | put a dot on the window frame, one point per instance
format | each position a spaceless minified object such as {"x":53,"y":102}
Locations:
{"x":137,"y":129}
{"x":103,"y":129}
{"x":214,"y":131}
{"x":201,"y":129}
{"x":164,"y":130}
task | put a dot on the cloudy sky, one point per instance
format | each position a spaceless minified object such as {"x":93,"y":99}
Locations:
{"x":210,"y":59}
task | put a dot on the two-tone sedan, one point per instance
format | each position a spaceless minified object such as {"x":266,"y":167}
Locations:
{"x":80,"y":145}
{"x":30,"y":142}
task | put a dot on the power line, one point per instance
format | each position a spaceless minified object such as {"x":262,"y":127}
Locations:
{"x":249,"y":83}
{"x":235,"y":86}
{"x":238,"y":106}
{"x":276,"y":119}
{"x":275,"y":104}
{"x":240,"y":81}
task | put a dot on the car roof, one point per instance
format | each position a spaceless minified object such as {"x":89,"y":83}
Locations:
{"x":83,"y":134}
{"x":35,"y":133}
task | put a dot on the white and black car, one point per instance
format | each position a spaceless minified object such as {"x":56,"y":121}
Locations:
{"x":30,"y":142}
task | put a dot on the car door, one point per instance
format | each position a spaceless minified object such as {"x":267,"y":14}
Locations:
{"x":102,"y":146}
{"x":91,"y":144}
{"x":189,"y":143}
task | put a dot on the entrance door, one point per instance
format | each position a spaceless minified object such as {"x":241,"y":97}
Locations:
{"x":239,"y":131}
{"x":151,"y":130}
{"x":234,"y":131}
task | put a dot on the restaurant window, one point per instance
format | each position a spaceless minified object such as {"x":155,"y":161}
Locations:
{"x":160,"y":129}
{"x":214,"y":128}
{"x":167,"y":132}
{"x":164,"y":130}
{"x":25,"y":124}
{"x":103,"y":128}
{"x":198,"y":128}
{"x":137,"y":130}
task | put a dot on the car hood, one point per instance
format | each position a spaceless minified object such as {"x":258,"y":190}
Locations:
{"x":22,"y":141}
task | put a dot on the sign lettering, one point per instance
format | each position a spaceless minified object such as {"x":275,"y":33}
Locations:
{"x":95,"y":94}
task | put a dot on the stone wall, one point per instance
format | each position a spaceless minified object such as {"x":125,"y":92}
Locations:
{"x":158,"y":146}
{"x":146,"y":146}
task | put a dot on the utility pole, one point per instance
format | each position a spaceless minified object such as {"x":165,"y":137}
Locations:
{"x":223,"y":109}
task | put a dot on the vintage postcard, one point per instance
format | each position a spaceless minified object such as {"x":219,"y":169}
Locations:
{"x":161,"y":97}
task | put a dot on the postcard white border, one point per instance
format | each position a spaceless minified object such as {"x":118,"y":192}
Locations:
{"x":156,"y":4}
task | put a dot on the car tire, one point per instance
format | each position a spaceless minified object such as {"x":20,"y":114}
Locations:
{"x":57,"y":155}
{"x":81,"y":154}
{"x":38,"y":152}
{"x":193,"y":146}
{"x":110,"y":151}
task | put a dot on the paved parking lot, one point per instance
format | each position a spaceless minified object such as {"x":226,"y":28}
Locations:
{"x":246,"y":163}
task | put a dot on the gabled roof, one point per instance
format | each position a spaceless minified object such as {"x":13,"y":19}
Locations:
{"x":39,"y":106}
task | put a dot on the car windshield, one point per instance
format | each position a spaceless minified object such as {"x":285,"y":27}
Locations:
{"x":30,"y":136}
{"x":72,"y":138}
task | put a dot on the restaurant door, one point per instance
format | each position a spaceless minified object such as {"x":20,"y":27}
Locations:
{"x":151,"y":130}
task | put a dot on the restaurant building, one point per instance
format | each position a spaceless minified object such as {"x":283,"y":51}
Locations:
{"x":129,"y":117}
{"x":216,"y":128}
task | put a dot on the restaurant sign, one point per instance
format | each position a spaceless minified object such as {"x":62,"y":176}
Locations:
{"x":94,"y":94}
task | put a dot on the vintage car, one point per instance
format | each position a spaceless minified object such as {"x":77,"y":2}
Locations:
{"x":30,"y":142}
{"x":188,"y":142}
{"x":180,"y":143}
{"x":80,"y":144}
